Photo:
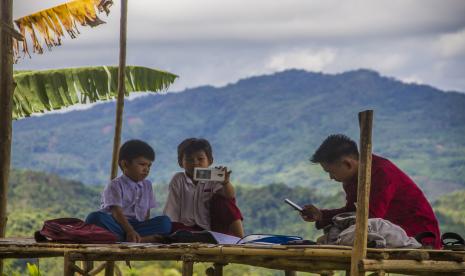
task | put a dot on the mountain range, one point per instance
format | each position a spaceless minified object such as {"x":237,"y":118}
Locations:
{"x":264,"y":128}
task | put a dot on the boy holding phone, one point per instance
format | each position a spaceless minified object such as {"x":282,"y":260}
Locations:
{"x":393,"y":195}
{"x":202,"y":205}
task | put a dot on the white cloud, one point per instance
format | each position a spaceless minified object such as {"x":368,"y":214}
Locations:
{"x":302,"y":59}
{"x":24,"y":7}
{"x":264,"y":20}
{"x":217,"y":42}
{"x":412,"y":79}
{"x":452,"y":44}
{"x":378,"y":59}
{"x":293,"y":19}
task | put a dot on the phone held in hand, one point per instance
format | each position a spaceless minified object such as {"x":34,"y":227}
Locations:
{"x":209,"y":174}
{"x":293,"y":205}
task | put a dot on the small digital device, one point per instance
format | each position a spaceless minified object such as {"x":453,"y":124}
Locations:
{"x":293,"y":205}
{"x":209,"y":174}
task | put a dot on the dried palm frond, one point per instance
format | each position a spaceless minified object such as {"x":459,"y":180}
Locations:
{"x":49,"y":23}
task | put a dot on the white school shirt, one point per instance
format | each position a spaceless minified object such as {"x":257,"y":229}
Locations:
{"x":188,"y":203}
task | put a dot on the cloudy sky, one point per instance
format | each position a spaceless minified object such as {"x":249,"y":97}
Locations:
{"x":220,"y":41}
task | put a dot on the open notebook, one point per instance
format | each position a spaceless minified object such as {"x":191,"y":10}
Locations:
{"x":205,"y":236}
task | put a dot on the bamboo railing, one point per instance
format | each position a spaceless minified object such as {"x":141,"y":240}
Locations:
{"x":319,"y":259}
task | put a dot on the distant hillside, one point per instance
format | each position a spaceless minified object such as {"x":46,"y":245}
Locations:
{"x":35,"y":196}
{"x":450,"y":210}
{"x":264,"y":128}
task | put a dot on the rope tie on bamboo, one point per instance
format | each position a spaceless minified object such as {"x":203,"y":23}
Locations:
{"x":188,"y":258}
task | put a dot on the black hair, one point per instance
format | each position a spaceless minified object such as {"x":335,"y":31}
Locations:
{"x":192,"y":145}
{"x":334,"y":147}
{"x":133,"y":149}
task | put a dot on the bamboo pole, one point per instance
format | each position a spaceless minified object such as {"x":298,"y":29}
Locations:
{"x":289,"y":259}
{"x":11,"y":31}
{"x":97,"y":270}
{"x":66,"y":266}
{"x":109,"y":268}
{"x":69,"y":266}
{"x":218,"y":269}
{"x":118,"y":271}
{"x":77,"y":269}
{"x":359,"y":251}
{"x":411,"y":266}
{"x":119,"y":102}
{"x":6,"y":98}
{"x":121,"y":88}
{"x":21,"y":255}
{"x":87,"y":266}
{"x":100,"y":252}
{"x":187,"y":268}
{"x":123,"y":254}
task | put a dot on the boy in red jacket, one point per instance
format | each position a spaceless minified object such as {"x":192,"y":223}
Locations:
{"x":393,"y":195}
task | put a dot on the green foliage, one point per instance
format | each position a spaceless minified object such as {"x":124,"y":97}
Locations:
{"x":172,"y":268}
{"x":33,"y":270}
{"x":34,"y":197}
{"x":450,"y":210}
{"x":265,"y":212}
{"x":38,"y":91}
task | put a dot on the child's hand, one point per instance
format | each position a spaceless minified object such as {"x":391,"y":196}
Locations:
{"x":311,"y":213}
{"x":228,"y":190}
{"x":132,"y":236}
{"x":227,"y":174}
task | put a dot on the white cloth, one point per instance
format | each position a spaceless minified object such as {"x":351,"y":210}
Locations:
{"x":188,"y":203}
{"x":381,"y":232}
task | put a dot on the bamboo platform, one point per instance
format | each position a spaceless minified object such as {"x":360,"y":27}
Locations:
{"x":320,"y":259}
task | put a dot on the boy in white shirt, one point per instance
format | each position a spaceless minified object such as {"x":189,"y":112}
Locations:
{"x":201,"y":205}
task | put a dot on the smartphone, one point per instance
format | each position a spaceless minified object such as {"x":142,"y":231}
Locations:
{"x":293,"y":205}
{"x":209,"y":174}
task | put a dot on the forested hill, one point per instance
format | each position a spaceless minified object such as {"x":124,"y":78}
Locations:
{"x":264,"y":128}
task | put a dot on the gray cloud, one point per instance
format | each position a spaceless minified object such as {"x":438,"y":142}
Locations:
{"x":216,"y":42}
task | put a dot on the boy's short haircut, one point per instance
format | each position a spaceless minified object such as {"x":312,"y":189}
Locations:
{"x":333,"y":148}
{"x":192,"y":145}
{"x":133,"y":149}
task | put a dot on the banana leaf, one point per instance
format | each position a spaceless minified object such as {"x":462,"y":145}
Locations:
{"x":40,"y":91}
